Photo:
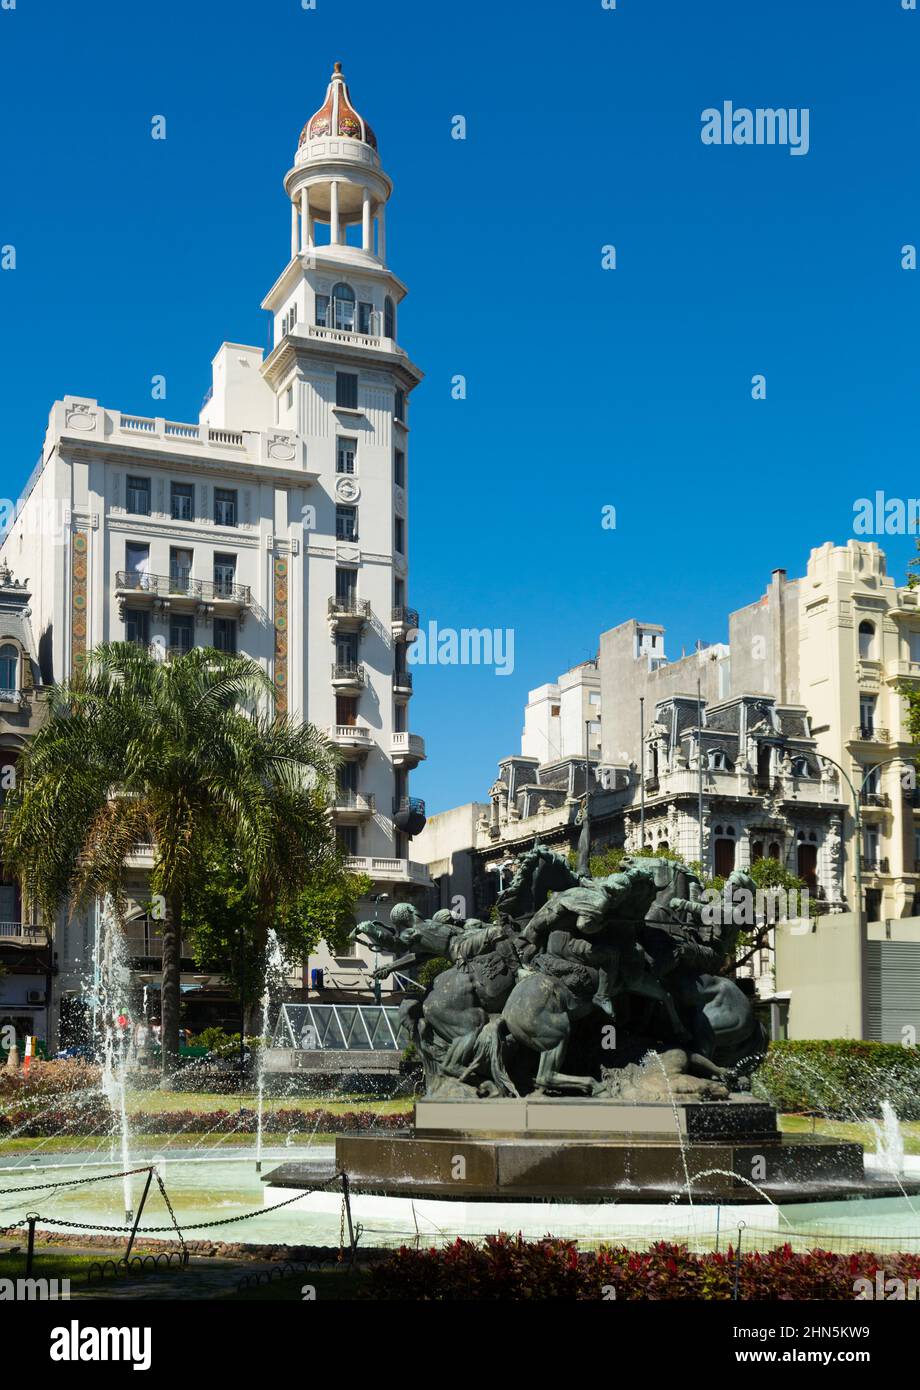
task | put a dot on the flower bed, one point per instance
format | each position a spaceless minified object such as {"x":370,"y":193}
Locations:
{"x":505,"y":1267}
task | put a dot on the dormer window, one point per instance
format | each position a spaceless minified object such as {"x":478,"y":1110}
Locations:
{"x":9,"y":668}
{"x":343,"y":307}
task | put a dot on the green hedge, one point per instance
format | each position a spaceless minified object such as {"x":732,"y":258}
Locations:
{"x":841,"y":1077}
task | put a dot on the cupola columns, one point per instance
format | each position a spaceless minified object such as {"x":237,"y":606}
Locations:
{"x":335,"y":234}
{"x":306,"y":221}
{"x":366,"y":229}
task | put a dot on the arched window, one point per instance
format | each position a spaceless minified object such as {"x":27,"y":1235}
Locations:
{"x":866,"y":640}
{"x":756,"y":850}
{"x":343,"y":307}
{"x":9,"y":667}
{"x":389,"y":318}
{"x":774,"y":849}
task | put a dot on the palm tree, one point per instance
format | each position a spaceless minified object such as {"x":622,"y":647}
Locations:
{"x":137,"y":750}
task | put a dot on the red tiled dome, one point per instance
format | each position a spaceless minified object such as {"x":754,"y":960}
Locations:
{"x":337,"y":116}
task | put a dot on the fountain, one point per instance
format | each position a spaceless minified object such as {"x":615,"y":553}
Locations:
{"x":584,"y":1052}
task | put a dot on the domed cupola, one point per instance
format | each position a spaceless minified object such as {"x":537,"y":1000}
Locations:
{"x":337,"y":116}
{"x":337,"y":181}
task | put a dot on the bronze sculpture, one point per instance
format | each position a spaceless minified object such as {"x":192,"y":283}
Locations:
{"x":575,"y":984}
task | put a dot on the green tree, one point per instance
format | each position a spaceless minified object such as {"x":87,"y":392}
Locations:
{"x":177,"y":753}
{"x":223,"y":919}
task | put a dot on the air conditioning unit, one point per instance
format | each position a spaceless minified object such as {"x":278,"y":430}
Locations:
{"x":35,"y":996}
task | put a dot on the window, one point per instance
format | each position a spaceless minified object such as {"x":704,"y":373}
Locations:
{"x":914,"y":640}
{"x":180,"y":570}
{"x":346,"y":711}
{"x":800,"y":767}
{"x":182,"y":501}
{"x":289,"y":398}
{"x":718,"y":761}
{"x":225,"y":634}
{"x":225,"y":506}
{"x":137,"y":564}
{"x":9,"y":667}
{"x":287,"y":323}
{"x":399,"y":538}
{"x":399,"y":593}
{"x":346,"y":451}
{"x":346,"y":650}
{"x":343,"y":307}
{"x":181,"y":632}
{"x":866,"y":640}
{"x":346,"y":523}
{"x":348,"y":839}
{"x":137,"y":626}
{"x":365,"y":318}
{"x":867,"y":715}
{"x":322,"y":310}
{"x":224,"y":575}
{"x":346,"y":390}
{"x":399,"y":408}
{"x":399,"y":468}
{"x":346,"y":585}
{"x":138,"y":495}
{"x":389,"y":318}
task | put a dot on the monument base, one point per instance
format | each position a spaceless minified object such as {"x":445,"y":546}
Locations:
{"x":570,"y":1150}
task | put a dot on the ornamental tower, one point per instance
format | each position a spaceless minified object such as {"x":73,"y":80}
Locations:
{"x":341,"y":382}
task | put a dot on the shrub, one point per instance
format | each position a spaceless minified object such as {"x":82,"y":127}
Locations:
{"x":842,"y":1077}
{"x":505,"y":1267}
{"x":431,"y":969}
{"x":95,"y":1117}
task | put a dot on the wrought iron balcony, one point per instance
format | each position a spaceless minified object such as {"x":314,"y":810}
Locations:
{"x":404,"y":620}
{"x":348,"y":673}
{"x":408,"y":803}
{"x":180,"y":583}
{"x":354,"y":805}
{"x":876,"y":799}
{"x":343,"y":609}
{"x":402,"y":681}
{"x":873,"y":864}
{"x":869,"y":733}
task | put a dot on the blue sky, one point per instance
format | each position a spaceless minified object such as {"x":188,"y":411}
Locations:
{"x":586,"y":387}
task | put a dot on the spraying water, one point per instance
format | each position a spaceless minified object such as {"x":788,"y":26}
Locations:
{"x":274,"y":969}
{"x":112,"y":994}
{"x":889,"y":1140}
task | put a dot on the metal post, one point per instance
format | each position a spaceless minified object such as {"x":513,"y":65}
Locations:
{"x":31,"y":1217}
{"x":138,"y":1216}
{"x":699,"y":720}
{"x":737,"y":1263}
{"x":641,"y":771}
{"x":346,"y":1197}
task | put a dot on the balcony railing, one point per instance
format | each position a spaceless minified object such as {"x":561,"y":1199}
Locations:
{"x":878,"y":799}
{"x":355,"y":801}
{"x":348,"y":672}
{"x":405,"y":617}
{"x":351,"y":607}
{"x":408,"y":805}
{"x":402,"y":680}
{"x":869,"y":733}
{"x":873,"y":864}
{"x":180,"y":584}
{"x":26,"y":932}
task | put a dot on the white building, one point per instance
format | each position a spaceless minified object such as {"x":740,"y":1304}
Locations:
{"x":275,"y":525}
{"x":562,"y":718}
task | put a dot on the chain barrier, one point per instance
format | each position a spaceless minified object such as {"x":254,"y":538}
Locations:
{"x":195,"y":1226}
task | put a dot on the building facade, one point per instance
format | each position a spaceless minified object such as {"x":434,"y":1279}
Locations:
{"x":277,"y":525}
